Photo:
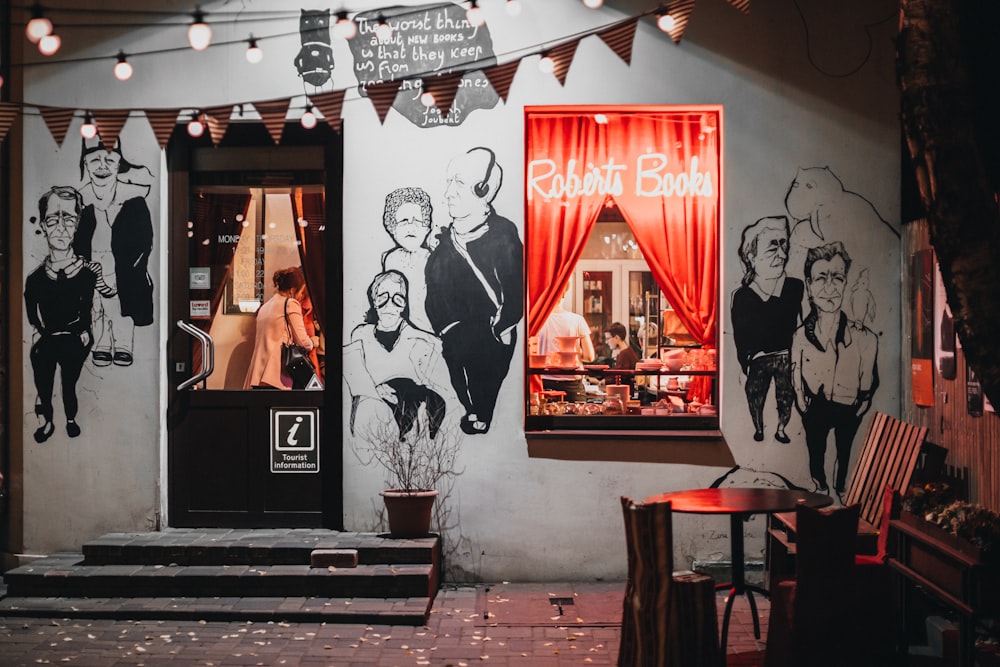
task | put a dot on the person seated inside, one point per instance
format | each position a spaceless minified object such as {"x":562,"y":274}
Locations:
{"x":566,"y":323}
{"x":616,"y":337}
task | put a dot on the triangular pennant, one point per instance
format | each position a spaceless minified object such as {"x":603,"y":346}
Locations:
{"x":501,"y":77}
{"x":273,"y":114}
{"x":330,"y":105}
{"x":109,"y":125}
{"x":680,"y":12}
{"x":620,"y":39}
{"x":8,"y":114}
{"x":443,"y":88}
{"x":742,"y":5}
{"x":57,"y":119}
{"x":382,"y":96}
{"x":162,"y":121}
{"x":562,"y":56}
{"x":218,"y":121}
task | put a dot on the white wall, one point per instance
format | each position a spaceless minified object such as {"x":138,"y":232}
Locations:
{"x":516,"y":518}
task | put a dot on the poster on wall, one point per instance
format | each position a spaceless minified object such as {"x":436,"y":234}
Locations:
{"x":922,"y":364}
{"x":944,"y":330}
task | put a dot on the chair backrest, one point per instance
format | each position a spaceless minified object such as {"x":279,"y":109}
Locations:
{"x":826,"y":543}
{"x":887,"y":458}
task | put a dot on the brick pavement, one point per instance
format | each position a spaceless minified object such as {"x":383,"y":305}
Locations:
{"x":456,"y":634}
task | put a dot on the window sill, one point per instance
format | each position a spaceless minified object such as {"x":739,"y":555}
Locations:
{"x":705,"y":447}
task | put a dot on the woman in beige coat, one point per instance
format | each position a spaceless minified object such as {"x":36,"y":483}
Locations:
{"x":265,"y":364}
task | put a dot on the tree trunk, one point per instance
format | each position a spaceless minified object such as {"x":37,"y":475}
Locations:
{"x":942,"y":120}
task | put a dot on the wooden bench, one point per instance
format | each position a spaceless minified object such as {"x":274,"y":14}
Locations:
{"x":888,"y":457}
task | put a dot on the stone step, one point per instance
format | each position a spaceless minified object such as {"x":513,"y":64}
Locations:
{"x":411,"y":611}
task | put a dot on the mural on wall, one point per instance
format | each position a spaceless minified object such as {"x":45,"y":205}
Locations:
{"x":766,"y":310}
{"x":834,"y":369}
{"x":314,"y":61}
{"x":59,"y":295}
{"x":407,"y":218}
{"x":116,"y":231}
{"x":474,"y":286}
{"x":428,"y":39}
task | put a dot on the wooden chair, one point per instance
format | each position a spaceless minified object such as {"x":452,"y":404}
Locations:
{"x":888,"y":457}
{"x":668,"y":618}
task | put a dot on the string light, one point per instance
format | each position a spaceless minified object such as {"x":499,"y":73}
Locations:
{"x":123,"y":69}
{"x":254,"y":53}
{"x":345,"y":27}
{"x":427,"y":99}
{"x":383,"y":32}
{"x":88,"y":130}
{"x":38,"y":26}
{"x":308,"y":119}
{"x":195,"y":126}
{"x":199,"y":32}
{"x":547,"y":64}
{"x":49,"y":44}
{"x":474,"y":14}
{"x":513,"y":7}
{"x":593,"y":4}
{"x":664,"y":20}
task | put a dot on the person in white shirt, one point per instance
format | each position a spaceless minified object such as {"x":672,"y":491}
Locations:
{"x":562,"y":322}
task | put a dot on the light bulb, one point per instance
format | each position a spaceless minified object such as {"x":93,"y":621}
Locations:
{"x":383,"y":32}
{"x":38,"y":26}
{"x":513,"y":7}
{"x":308,"y":119}
{"x":547,"y":64}
{"x":195,"y":127}
{"x":345,"y":27}
{"x":666,"y":23}
{"x":474,"y":14}
{"x":123,"y":69}
{"x":254,"y":53}
{"x":199,"y":32}
{"x":49,"y":44}
{"x":427,"y":99}
{"x":593,"y":4}
{"x":88,"y":130}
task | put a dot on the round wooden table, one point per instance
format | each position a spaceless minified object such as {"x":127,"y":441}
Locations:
{"x":740,"y":504}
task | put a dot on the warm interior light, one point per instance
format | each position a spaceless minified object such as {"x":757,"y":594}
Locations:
{"x":593,"y":4}
{"x":345,"y":27}
{"x":38,"y":26}
{"x":513,"y":7}
{"x":474,"y":14}
{"x":308,"y":119}
{"x":600,"y":119}
{"x":383,"y":32}
{"x":195,"y":127}
{"x":547,"y":64}
{"x":123,"y":69}
{"x":49,"y":44}
{"x":199,"y":33}
{"x":254,"y":53}
{"x":88,"y":130}
{"x":427,"y":99}
{"x":666,"y":22}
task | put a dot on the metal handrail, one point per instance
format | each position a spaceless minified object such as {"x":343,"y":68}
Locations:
{"x":207,"y":355}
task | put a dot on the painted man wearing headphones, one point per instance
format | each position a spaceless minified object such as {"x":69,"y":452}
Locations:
{"x":474,"y":286}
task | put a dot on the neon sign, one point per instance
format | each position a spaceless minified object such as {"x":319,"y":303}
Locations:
{"x":651,"y":179}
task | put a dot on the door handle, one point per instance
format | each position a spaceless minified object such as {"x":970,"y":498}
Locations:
{"x":207,"y":355}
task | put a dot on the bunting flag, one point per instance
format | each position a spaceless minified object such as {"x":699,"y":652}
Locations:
{"x":109,"y":125}
{"x":620,"y":39}
{"x":162,"y":121}
{"x":8,"y":114}
{"x":382,"y":96}
{"x":562,"y":56}
{"x":217,"y":121}
{"x":330,"y":105}
{"x":273,"y":114}
{"x":680,"y":11}
{"x":742,"y":5}
{"x":501,"y":77}
{"x":443,"y":87}
{"x":57,"y":120}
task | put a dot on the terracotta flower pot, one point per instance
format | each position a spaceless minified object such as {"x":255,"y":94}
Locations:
{"x":409,"y":512}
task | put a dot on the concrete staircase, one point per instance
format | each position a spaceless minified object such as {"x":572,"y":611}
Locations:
{"x":233,"y":575}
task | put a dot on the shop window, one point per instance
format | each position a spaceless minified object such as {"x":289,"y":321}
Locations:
{"x":622,"y":220}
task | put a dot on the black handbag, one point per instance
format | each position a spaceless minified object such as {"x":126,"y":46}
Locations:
{"x":294,"y":360}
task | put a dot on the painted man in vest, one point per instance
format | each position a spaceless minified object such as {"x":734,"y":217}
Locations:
{"x":474,"y":286}
{"x":833,"y":364}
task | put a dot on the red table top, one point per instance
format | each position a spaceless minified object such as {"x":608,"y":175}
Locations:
{"x":732,"y":500}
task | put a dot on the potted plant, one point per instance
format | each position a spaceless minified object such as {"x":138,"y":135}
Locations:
{"x":416,"y":464}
